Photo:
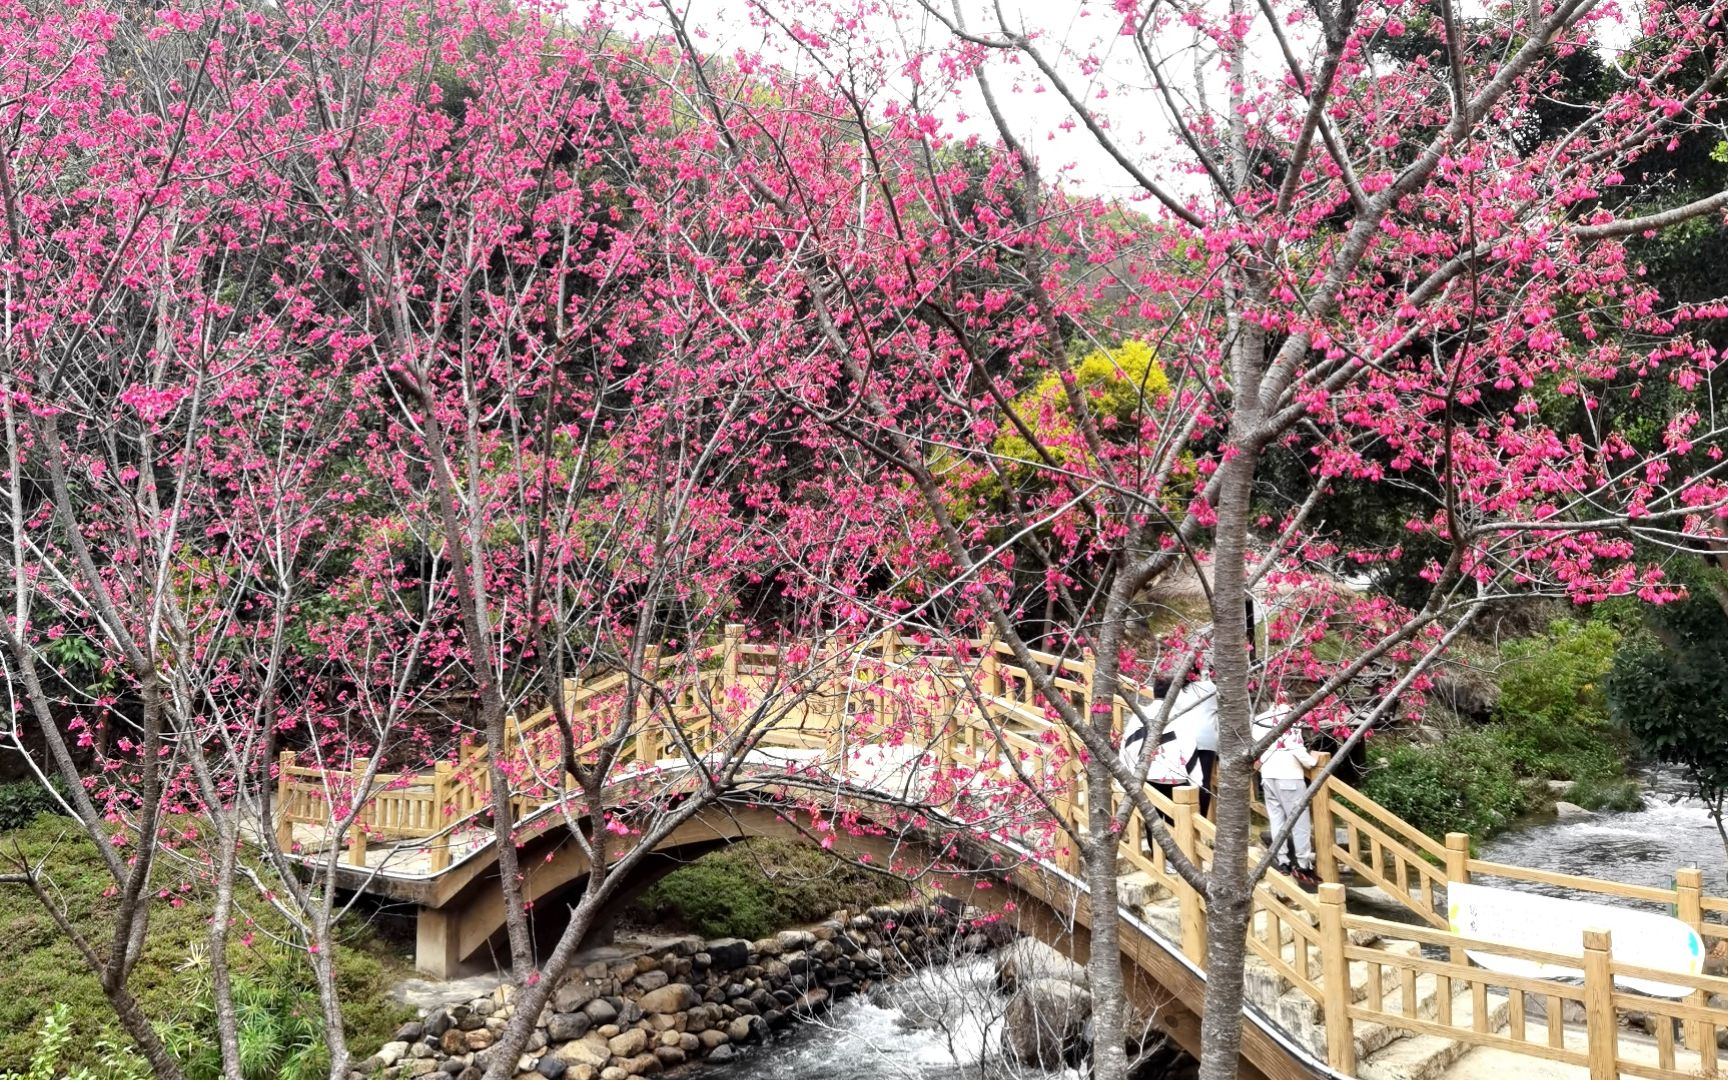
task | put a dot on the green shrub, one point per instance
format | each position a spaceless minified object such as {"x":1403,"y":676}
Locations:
{"x":23,"y":802}
{"x":1461,"y":785}
{"x":1670,"y":689}
{"x":43,"y":969}
{"x":1552,"y":719}
{"x":753,"y":888}
{"x":1618,"y":796}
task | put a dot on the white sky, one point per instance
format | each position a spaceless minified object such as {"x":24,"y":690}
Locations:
{"x":1118,"y":91}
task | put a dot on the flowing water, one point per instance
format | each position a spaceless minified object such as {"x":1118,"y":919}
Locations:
{"x":1643,"y":847}
{"x":943,"y":1023}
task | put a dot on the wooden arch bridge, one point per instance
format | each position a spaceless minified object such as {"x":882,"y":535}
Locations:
{"x":1331,"y":991}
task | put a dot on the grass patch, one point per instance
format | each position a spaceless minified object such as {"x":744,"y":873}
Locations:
{"x":281,"y":1021}
{"x":1620,"y":796}
{"x":755,"y":887}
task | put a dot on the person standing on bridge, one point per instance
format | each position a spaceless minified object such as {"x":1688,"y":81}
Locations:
{"x":1284,"y":776}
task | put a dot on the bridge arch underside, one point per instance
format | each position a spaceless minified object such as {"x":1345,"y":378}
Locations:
{"x":1035,"y":900}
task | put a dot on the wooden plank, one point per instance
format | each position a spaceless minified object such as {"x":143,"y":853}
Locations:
{"x":1483,"y":868}
{"x":1409,"y":932}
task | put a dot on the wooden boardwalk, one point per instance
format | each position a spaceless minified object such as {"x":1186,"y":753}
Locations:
{"x":1332,"y":991}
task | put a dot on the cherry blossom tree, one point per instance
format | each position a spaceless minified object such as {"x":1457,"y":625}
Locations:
{"x":1341,"y":258}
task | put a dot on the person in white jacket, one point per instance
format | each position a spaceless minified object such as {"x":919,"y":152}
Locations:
{"x":1283,"y":775}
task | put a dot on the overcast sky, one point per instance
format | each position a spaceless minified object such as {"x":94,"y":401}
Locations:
{"x":1036,"y":114}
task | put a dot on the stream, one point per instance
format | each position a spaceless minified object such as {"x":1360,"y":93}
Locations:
{"x":1643,"y":847}
{"x":942,"y":1023}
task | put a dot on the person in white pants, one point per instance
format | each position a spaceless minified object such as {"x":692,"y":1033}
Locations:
{"x":1283,"y":775}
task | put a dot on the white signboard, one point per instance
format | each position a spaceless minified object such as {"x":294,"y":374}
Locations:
{"x":1551,"y":924}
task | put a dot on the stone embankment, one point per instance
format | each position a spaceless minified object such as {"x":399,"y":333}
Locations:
{"x":691,"y":1000}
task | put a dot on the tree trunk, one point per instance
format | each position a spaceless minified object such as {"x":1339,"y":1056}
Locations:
{"x":1104,"y":961}
{"x":1229,"y":892}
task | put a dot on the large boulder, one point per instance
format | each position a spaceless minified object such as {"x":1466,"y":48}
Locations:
{"x":590,"y":1050}
{"x":1028,"y":959}
{"x":671,"y":998}
{"x":627,"y":1044}
{"x":562,"y":1027}
{"x":1045,"y":1022}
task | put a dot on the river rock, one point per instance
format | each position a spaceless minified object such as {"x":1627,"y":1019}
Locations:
{"x":628,"y":1044}
{"x":795,"y":939}
{"x":600,"y":1011}
{"x":392,"y":1052}
{"x":650,"y":980}
{"x":575,"y":994}
{"x":590,"y":1050}
{"x":810,"y":1002}
{"x":552,"y":1067}
{"x":1028,"y":959}
{"x":1044,"y":1021}
{"x":1566,"y":810}
{"x":722,"y":1054}
{"x":713,"y":1038}
{"x":669,"y":998}
{"x":481,"y":1038}
{"x":746,"y":1029}
{"x":563,"y":1027}
{"x":670,"y":1056}
{"x":643,"y":1065}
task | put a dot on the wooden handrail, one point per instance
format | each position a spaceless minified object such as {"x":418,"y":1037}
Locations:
{"x":1392,"y":823}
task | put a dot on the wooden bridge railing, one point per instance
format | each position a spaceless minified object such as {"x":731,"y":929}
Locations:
{"x":1308,"y":940}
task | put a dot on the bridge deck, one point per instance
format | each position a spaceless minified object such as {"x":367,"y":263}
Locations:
{"x":966,"y":739}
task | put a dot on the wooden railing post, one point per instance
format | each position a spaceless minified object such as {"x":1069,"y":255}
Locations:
{"x":1457,"y":871}
{"x":888,"y":644}
{"x":443,"y":813}
{"x":647,"y":737}
{"x":1335,"y":980}
{"x":1458,"y":857}
{"x":731,"y":646}
{"x":1187,"y":800}
{"x":357,"y":827}
{"x":284,"y":784}
{"x":1088,"y":674}
{"x":1602,"y":1033}
{"x":1689,"y":909}
{"x":992,"y":686}
{"x":1325,"y":832}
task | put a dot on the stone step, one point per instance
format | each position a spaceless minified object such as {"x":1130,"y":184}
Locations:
{"x":1425,"y":1057}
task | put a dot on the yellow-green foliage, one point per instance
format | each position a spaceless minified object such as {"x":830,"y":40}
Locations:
{"x":1116,"y":383}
